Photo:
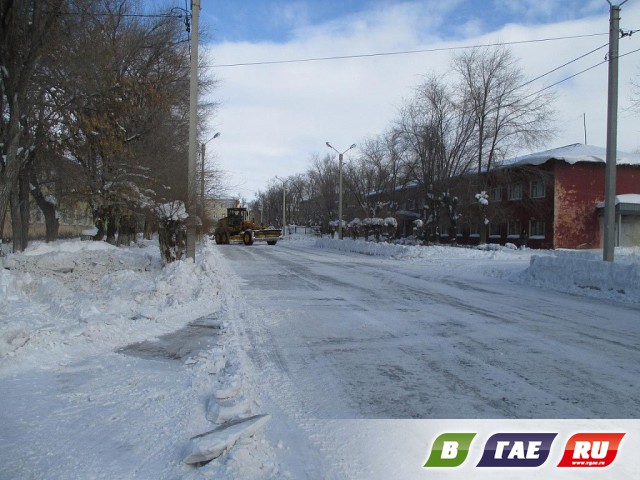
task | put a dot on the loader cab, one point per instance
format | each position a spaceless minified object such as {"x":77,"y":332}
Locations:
{"x":235,"y":216}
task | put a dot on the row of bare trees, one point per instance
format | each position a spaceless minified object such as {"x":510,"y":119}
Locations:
{"x":94,"y":102}
{"x":467,"y":121}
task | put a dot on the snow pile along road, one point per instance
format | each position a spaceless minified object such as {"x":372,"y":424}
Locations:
{"x":586,"y":275}
{"x":578,"y":272}
{"x":98,"y":295}
{"x":113,"y":366}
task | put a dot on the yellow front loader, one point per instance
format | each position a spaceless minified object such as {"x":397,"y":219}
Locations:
{"x":236,"y":227}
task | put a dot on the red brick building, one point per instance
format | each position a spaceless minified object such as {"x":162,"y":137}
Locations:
{"x":554,"y":197}
{"x":549,"y":199}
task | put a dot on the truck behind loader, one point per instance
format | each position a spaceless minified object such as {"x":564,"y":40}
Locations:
{"x":236,"y":227}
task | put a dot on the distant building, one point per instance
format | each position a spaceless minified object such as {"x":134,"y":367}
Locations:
{"x":553,"y":199}
{"x":216,"y":208}
{"x":549,"y":199}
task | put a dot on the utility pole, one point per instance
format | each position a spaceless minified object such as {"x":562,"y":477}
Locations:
{"x":193,"y":221}
{"x":284,"y":210}
{"x":612,"y":136}
{"x":202,"y":182}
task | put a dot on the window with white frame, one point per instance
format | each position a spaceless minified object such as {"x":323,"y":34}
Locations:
{"x":495,"y":194}
{"x":536,"y":189}
{"x":495,"y":230}
{"x":514,"y":229}
{"x":514,"y":191}
{"x":537,"y":229}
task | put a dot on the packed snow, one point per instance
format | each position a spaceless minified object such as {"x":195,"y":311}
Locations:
{"x":113,"y":366}
{"x":571,"y":271}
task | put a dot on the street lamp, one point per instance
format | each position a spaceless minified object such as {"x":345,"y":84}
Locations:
{"x":284,"y":191}
{"x":340,"y":185}
{"x":202,"y":150}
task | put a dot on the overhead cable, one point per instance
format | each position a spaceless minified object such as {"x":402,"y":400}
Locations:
{"x":403,"y":52}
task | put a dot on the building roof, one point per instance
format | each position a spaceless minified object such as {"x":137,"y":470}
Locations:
{"x":571,"y":154}
{"x":628,"y":198}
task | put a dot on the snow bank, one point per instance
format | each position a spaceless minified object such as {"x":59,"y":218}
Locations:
{"x":410,"y":252}
{"x":586,"y":275}
{"x":98,"y":296}
{"x":580,"y":272}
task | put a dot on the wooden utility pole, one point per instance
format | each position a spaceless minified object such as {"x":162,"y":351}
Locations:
{"x":193,"y":220}
{"x":612,"y":136}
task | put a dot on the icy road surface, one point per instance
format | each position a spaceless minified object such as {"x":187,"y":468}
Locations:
{"x":339,"y":335}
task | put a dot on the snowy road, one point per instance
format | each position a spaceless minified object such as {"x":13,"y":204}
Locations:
{"x":338,"y":335}
{"x":109,"y":362}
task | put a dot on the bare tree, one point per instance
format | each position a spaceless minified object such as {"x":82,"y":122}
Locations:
{"x":437,"y":134}
{"x":377,"y":170}
{"x":323,"y":176}
{"x":506,"y":115}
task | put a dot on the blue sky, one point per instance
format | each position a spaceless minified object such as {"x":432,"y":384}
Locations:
{"x":274,"y":119}
{"x":278,"y":20}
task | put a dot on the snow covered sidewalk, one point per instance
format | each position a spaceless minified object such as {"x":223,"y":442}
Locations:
{"x":110,"y":364}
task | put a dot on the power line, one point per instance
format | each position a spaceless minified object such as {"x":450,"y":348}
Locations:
{"x":563,"y":65}
{"x":403,"y":52}
{"x":579,"y":73}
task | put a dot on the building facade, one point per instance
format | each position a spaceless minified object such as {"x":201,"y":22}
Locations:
{"x":555,"y":197}
{"x":549,"y":199}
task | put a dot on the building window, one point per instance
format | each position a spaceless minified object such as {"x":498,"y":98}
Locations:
{"x":495,"y":230}
{"x":536,"y":189}
{"x":474,"y":230}
{"x":537,"y":230}
{"x":514,"y":191}
{"x":514,"y":229}
{"x":495,"y":194}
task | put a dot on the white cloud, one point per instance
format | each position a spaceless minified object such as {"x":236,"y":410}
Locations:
{"x":293,"y":14}
{"x":530,"y":8}
{"x":275,"y":117}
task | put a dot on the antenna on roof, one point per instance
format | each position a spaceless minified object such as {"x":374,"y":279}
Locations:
{"x":584,"y":122}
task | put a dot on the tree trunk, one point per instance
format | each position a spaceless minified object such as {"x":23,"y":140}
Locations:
{"x":112,"y":227}
{"x":19,"y":243}
{"x":172,"y":237}
{"x":9,"y":174}
{"x":19,"y":204}
{"x":48,"y":209}
{"x":99,"y":221}
{"x":25,"y":207}
{"x":51,"y":223}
